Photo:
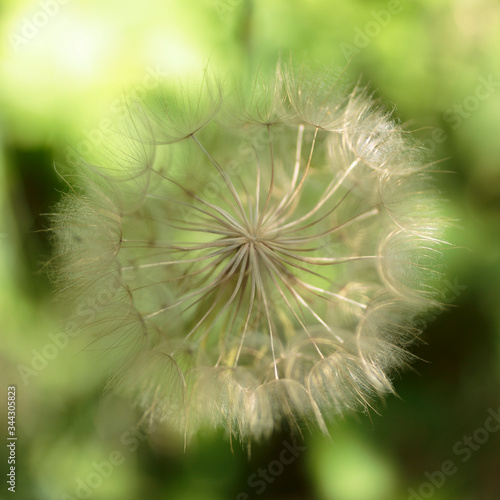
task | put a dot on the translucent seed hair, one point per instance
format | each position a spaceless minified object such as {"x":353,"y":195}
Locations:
{"x":262,"y":257}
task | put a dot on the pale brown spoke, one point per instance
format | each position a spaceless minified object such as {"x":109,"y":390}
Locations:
{"x":228,"y":182}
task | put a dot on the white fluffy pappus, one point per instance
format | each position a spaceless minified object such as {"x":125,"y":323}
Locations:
{"x":265,"y":257}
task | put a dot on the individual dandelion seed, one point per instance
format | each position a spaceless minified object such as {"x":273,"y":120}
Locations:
{"x":271,"y":261}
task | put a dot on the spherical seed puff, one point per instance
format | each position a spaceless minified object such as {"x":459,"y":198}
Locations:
{"x":259,"y":261}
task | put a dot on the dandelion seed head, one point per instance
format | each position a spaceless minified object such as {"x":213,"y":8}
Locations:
{"x":269,"y":261}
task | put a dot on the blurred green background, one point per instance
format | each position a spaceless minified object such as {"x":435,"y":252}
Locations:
{"x":64,"y":67}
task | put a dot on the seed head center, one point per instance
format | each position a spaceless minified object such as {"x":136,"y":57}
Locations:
{"x":255,"y":237}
